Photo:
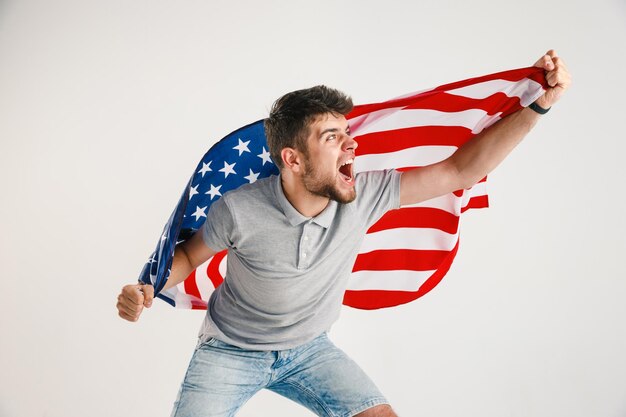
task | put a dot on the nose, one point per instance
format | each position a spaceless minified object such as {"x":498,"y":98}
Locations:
{"x":349,"y":144}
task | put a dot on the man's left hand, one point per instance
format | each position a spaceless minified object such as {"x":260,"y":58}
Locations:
{"x":557,"y":76}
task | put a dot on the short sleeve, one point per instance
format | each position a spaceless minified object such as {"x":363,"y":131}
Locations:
{"x":218,"y":228}
{"x":377,"y":193}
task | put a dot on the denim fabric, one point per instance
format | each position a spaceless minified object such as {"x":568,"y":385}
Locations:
{"x":318,"y":375}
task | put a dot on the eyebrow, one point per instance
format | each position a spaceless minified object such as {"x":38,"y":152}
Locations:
{"x":333,"y":130}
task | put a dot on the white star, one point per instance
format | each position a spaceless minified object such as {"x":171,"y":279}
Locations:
{"x":252,"y":177}
{"x":265,"y":156}
{"x":193,"y":191}
{"x":242,"y":147}
{"x":164,"y":236}
{"x":228,"y":169}
{"x":151,"y":260}
{"x":199,"y":212}
{"x":205,"y":168}
{"x":214,"y":191}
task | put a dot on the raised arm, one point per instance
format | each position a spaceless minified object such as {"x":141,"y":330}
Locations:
{"x":479,"y":156}
{"x":187,"y":257}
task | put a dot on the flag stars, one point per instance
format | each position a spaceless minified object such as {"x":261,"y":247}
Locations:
{"x":199,"y":212}
{"x":193,"y":191}
{"x":214,"y":191}
{"x":265,"y":156}
{"x":242,"y":147}
{"x":205,"y":168}
{"x":228,"y":169}
{"x":252,"y":177}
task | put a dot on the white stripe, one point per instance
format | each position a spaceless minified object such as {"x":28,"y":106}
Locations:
{"x":399,"y":280}
{"x":179,"y":298}
{"x":356,"y":123}
{"x":182,"y":300}
{"x":526,"y":89}
{"x":222,"y":266}
{"x":448,"y":202}
{"x":410,"y":157}
{"x":421,"y":117}
{"x":204,"y":284}
{"x":409,"y":238}
{"x":477,"y":190}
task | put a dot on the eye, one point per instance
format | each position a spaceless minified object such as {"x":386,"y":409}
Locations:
{"x":331,"y":137}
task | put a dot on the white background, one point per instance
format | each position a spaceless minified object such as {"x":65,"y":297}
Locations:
{"x":107,"y":106}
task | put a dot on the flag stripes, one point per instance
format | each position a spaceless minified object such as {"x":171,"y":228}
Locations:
{"x":408,"y":251}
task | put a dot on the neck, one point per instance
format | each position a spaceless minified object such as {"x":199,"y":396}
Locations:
{"x":307,"y":204}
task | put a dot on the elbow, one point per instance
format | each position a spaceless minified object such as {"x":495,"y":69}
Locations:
{"x":462,"y":177}
{"x":470,"y":180}
{"x":466,"y":178}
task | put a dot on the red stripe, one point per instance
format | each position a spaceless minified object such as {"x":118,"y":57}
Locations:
{"x":190,"y":285}
{"x":452,"y":103}
{"x":411,"y":217}
{"x":375,"y":299}
{"x":198,"y":305}
{"x":401,"y":139}
{"x":400,"y":259}
{"x":404,"y":169}
{"x":213,"y":271}
{"x":477,"y":202}
{"x":445,"y":102}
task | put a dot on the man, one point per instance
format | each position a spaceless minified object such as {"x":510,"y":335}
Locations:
{"x":288,"y":268}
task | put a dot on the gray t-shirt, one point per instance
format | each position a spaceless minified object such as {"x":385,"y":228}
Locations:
{"x":287,"y":273}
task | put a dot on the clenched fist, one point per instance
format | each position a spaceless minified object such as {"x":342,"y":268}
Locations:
{"x":557,"y":76}
{"x":133,"y":299}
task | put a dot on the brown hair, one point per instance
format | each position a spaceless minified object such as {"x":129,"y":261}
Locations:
{"x":288,"y":123}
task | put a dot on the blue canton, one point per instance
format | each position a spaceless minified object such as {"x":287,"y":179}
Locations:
{"x":242,"y":157}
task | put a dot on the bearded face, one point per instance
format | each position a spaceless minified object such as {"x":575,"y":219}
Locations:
{"x":330,"y":183}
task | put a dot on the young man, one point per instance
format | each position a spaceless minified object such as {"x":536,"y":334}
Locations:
{"x":287,"y":269}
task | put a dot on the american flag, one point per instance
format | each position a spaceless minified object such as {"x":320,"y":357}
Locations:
{"x":409,"y":250}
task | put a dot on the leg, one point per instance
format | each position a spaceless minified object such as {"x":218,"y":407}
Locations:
{"x":219,"y":380}
{"x":325,"y":380}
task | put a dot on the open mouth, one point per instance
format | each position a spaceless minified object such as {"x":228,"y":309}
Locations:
{"x":345,"y":171}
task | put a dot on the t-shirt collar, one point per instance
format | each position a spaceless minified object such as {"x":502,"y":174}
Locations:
{"x":295,"y":217}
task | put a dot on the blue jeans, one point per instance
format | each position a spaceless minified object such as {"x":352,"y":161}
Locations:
{"x":318,"y":375}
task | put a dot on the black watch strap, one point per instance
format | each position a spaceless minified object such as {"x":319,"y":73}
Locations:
{"x":537,"y":108}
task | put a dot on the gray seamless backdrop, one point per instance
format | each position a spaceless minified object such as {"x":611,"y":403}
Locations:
{"x":106,"y":107}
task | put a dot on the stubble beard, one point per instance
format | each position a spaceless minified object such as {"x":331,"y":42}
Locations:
{"x":317,"y":184}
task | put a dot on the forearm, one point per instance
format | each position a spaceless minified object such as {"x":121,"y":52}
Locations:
{"x":187,"y":257}
{"x":181,"y":268}
{"x":482,"y":154}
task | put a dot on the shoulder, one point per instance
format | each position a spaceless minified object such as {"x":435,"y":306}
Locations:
{"x":375,"y":181}
{"x":258,"y":188}
{"x":247,"y":196}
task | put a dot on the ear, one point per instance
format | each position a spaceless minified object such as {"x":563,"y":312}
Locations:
{"x":292,"y":160}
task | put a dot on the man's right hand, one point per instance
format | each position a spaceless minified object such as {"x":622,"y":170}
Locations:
{"x":187,"y":257}
{"x":133,"y":299}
